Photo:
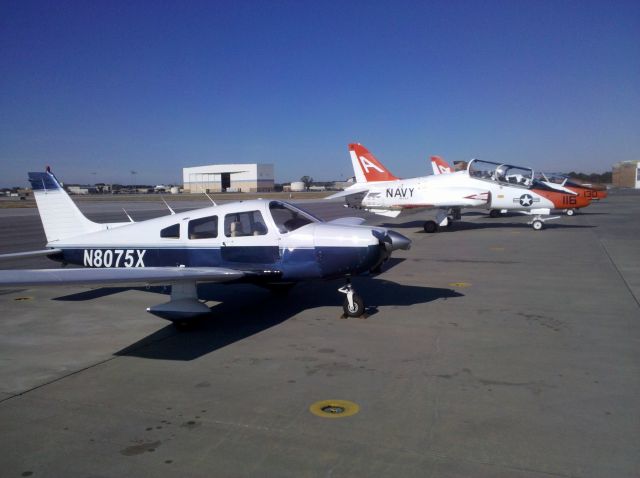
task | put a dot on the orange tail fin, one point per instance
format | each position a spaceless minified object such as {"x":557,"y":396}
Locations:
{"x":366,"y":167}
{"x":440,"y":166}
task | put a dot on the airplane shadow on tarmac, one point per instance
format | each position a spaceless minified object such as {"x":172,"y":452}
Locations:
{"x":245,"y":310}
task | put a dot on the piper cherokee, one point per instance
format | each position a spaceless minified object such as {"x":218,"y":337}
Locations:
{"x":266,"y":242}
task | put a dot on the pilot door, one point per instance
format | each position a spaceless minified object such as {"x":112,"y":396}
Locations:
{"x":247,"y":240}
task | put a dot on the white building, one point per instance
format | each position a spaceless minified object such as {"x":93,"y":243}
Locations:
{"x":228,"y":177}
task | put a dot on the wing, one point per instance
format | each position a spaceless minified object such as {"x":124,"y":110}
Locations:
{"x":119,"y":275}
{"x":23,"y":255}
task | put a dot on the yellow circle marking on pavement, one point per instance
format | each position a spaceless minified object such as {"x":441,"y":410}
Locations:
{"x":334,"y":408}
{"x":460,"y":284}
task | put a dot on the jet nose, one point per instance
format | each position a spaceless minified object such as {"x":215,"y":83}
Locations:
{"x":394,"y":240}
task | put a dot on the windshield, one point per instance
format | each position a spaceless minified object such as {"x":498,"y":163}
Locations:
{"x":503,"y":173}
{"x":288,"y":217}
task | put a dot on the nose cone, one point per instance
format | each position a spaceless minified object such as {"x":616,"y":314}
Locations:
{"x":394,"y":240}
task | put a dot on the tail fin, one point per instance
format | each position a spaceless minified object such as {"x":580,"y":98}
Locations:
{"x":366,"y":167}
{"x":60,"y":217}
{"x":440,"y":166}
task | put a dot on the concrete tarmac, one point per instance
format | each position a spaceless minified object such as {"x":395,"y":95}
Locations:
{"x":490,"y":350}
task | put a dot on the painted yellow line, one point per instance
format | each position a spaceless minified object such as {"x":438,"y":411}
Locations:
{"x":334,"y":408}
{"x":460,"y":284}
{"x":22,"y":298}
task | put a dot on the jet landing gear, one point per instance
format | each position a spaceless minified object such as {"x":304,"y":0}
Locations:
{"x":353,"y":305}
{"x":443,"y":218}
{"x":430,"y":227}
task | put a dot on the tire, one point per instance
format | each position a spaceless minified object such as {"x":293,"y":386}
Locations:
{"x":570,"y":212}
{"x":430,"y":227}
{"x":537,"y":225}
{"x":494,"y":213}
{"x":358,"y":306}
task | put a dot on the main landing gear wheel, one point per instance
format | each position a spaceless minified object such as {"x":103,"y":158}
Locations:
{"x":430,"y":227}
{"x":353,"y":310}
{"x":537,"y":225}
{"x":494,"y":213}
{"x":570,"y":212}
{"x":353,"y":305}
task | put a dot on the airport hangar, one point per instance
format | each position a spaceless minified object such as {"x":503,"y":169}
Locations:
{"x":215,"y":178}
{"x":626,"y":174}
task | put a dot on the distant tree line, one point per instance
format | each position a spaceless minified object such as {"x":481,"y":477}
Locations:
{"x":604,"y":178}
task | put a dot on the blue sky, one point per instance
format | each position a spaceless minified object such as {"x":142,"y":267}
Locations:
{"x":98,"y":89}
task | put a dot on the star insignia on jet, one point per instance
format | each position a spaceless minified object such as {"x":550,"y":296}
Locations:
{"x":526,"y":200}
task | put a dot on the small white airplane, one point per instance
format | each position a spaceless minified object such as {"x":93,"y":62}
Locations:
{"x":380,"y":192}
{"x":264,"y":242}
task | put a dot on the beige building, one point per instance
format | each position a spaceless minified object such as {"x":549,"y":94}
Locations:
{"x":216,"y":178}
{"x":626,"y":174}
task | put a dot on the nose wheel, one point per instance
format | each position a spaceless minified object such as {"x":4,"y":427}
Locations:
{"x":353,"y":305}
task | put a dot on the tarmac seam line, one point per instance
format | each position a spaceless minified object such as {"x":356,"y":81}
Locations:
{"x":606,"y":251}
{"x":58,"y":379}
{"x":88,"y":367}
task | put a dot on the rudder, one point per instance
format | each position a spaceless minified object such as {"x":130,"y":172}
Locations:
{"x":60,"y":216}
{"x":440,"y":166}
{"x":366,"y":167}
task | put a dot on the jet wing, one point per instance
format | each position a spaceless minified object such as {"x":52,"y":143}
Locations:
{"x":117,"y":275}
{"x":348,"y":192}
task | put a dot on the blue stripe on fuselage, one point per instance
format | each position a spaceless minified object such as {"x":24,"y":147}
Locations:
{"x":295,"y":264}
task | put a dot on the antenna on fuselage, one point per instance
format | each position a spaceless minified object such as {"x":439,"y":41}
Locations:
{"x":127,"y":214}
{"x":210,"y":199}
{"x":165,"y":203}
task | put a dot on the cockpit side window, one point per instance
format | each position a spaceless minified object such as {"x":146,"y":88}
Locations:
{"x":288,"y":219}
{"x":171,"y":232}
{"x":203,"y":228}
{"x":247,"y":223}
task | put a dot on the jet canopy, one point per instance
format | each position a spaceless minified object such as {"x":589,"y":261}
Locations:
{"x":556,"y":178}
{"x":500,"y":172}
